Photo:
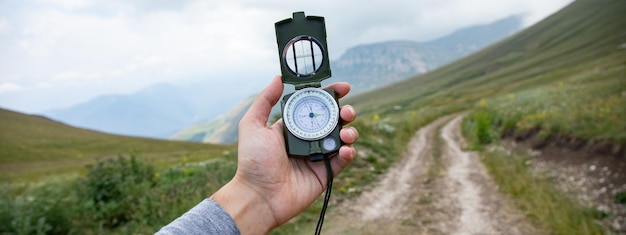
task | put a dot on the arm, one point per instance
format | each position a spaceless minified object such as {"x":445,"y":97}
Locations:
{"x":270,"y":188}
{"x":205,"y":218}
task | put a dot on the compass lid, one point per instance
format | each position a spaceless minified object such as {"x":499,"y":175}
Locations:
{"x":302,"y":50}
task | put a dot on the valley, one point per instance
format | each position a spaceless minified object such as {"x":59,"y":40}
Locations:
{"x":523,"y":137}
{"x":209,"y":113}
{"x":550,"y":81}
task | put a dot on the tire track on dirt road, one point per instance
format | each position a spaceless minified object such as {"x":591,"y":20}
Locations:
{"x":436,"y":188}
{"x":482,"y":209}
{"x":388,"y":199}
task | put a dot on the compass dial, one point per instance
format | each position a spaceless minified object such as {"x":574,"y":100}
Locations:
{"x":311,"y":114}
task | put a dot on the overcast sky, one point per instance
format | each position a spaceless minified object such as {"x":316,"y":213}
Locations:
{"x":56,"y":53}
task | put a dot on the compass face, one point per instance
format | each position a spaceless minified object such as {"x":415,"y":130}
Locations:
{"x":311,"y":114}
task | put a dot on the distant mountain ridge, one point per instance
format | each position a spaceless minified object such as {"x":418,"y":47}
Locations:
{"x":372,"y":66}
{"x":157,"y":111}
{"x":220,"y":129}
{"x":161,"y":110}
{"x":471,"y":39}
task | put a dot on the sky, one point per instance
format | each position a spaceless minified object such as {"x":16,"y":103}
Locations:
{"x":58,"y":53}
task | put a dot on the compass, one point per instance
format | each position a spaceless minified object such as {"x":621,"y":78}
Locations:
{"x":310,"y":114}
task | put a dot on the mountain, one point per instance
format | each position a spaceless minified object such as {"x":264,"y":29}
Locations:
{"x":562,"y":41}
{"x":375,"y":65}
{"x":474,"y":38}
{"x":130,"y":114}
{"x":372,"y":66}
{"x":569,"y":68}
{"x":221,"y":129}
{"x":564,"y":76}
{"x":157,"y":111}
{"x":558,"y":87}
{"x":163,"y":110}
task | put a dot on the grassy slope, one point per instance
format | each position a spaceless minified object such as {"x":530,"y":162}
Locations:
{"x":566,"y":75}
{"x":32,"y":147}
{"x":582,"y":38}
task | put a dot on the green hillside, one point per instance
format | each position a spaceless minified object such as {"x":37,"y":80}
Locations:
{"x":33,"y":147}
{"x":222,"y":129}
{"x":565,"y":67}
{"x":565,"y":76}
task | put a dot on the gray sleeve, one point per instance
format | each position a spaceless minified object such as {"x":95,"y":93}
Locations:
{"x":205,"y":218}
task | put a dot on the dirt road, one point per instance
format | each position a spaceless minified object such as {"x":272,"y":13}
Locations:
{"x":437,"y":188}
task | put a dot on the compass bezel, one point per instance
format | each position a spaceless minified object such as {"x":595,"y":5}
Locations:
{"x":292,"y":104}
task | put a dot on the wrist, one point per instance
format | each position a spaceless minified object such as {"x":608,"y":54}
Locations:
{"x":249,"y":210}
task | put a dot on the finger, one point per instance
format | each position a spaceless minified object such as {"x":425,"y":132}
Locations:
{"x":343,"y":159}
{"x":347,"y":113}
{"x":349,"y":135}
{"x":259,"y":111}
{"x":341,"y":88}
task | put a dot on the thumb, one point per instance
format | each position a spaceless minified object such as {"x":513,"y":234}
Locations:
{"x":259,"y":111}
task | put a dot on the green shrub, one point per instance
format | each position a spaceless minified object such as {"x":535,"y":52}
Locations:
{"x":620,"y":197}
{"x":480,"y":128}
{"x":116,"y":196}
{"x":115,"y":188}
{"x":40,"y":209}
{"x":484,"y":131}
{"x":7,"y":206}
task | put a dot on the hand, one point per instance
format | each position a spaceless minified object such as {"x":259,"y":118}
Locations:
{"x":270,"y":188}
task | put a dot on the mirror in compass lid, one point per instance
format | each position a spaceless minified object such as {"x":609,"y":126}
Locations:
{"x":303,"y":50}
{"x":303,"y":56}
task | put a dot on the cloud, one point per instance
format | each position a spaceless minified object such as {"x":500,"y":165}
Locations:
{"x":3,"y":24}
{"x":9,"y":87}
{"x":120,"y":46}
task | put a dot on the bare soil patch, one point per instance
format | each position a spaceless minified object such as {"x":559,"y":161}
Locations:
{"x":591,"y":173}
{"x":483,"y":209}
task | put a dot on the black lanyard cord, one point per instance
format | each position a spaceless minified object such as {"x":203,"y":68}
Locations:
{"x":329,"y":186}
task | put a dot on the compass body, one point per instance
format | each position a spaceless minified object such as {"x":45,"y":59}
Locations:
{"x":311,"y":122}
{"x":310,"y":115}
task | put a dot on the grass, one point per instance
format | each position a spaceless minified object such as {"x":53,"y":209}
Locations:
{"x":532,"y":192}
{"x":382,"y":141}
{"x":125,"y":195}
{"x":528,"y":60}
{"x":536,"y":196}
{"x":565,"y":75}
{"x":589,"y":106}
{"x":34,"y":148}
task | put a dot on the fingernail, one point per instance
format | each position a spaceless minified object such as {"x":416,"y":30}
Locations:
{"x":351,"y":108}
